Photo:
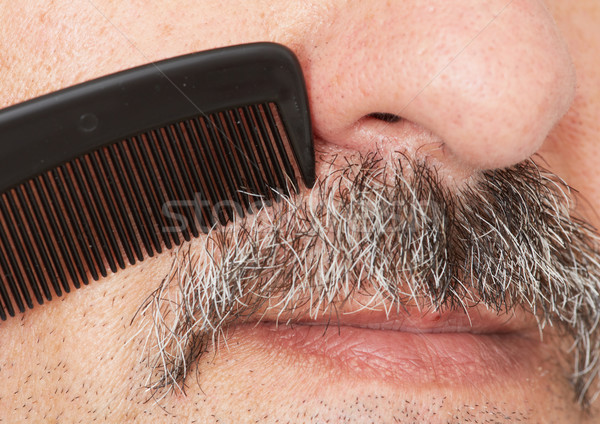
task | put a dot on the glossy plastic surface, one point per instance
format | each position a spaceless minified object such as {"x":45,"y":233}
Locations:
{"x":43,"y":133}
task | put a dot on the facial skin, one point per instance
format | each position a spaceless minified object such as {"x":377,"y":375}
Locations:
{"x":478,"y":85}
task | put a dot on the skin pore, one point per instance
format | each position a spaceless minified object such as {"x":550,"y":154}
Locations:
{"x":479,"y":86}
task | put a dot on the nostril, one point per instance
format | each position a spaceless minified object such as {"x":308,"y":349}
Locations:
{"x":385,"y":117}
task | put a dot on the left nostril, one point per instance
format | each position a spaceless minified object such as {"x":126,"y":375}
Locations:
{"x":385,"y":117}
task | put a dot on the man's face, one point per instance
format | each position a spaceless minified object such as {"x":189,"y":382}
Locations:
{"x":475,"y":302}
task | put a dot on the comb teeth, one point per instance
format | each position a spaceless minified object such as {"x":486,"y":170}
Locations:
{"x":129,"y":200}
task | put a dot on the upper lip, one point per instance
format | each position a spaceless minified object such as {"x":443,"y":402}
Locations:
{"x":409,"y":345}
{"x":477,"y":319}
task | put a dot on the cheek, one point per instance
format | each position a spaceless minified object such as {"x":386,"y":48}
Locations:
{"x":66,"y":43}
{"x":75,"y":355}
{"x":573,"y":148}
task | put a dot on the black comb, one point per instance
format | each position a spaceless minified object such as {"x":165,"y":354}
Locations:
{"x":106,"y":173}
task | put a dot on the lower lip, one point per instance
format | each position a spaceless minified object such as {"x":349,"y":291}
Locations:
{"x":408,"y":358}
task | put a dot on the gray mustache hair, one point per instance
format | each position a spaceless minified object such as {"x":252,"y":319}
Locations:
{"x":396,"y":232}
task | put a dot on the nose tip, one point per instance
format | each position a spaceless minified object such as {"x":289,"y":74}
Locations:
{"x":489,"y":85}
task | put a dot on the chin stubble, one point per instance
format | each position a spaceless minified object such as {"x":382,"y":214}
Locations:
{"x":396,"y":232}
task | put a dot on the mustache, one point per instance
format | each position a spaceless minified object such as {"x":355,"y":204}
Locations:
{"x":397,"y":232}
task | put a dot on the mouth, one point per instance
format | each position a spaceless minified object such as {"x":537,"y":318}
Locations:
{"x":407,"y":348}
{"x":413,"y":240}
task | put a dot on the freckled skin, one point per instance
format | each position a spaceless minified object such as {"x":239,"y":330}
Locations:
{"x":528,"y":83}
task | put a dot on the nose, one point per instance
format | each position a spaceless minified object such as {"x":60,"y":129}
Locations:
{"x":486,"y":81}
